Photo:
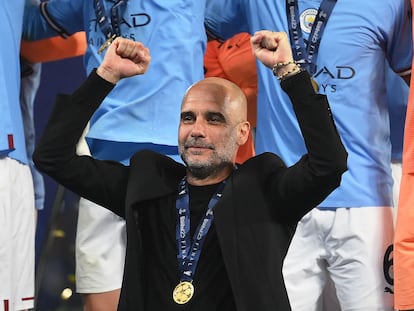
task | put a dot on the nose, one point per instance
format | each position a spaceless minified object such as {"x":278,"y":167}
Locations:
{"x":198,"y":129}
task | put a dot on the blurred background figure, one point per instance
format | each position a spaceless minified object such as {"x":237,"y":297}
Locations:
{"x":404,"y":234}
{"x":233,"y":60}
{"x":17,"y":202}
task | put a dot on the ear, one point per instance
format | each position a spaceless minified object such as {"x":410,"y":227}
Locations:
{"x":243,"y":132}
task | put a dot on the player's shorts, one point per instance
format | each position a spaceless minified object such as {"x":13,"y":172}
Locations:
{"x":352,"y":247}
{"x":100,"y":243}
{"x":17,"y":236}
{"x":100,"y":249}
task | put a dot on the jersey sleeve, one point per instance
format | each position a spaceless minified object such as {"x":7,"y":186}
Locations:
{"x":50,"y":18}
{"x":399,"y":47}
{"x":225,"y":18}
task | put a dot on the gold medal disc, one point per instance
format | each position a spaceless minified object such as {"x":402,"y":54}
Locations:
{"x":183,"y":292}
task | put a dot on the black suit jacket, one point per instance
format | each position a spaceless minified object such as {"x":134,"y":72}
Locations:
{"x":256,"y":217}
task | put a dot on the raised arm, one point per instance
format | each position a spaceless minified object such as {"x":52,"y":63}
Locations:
{"x":308,"y":182}
{"x":103,"y":182}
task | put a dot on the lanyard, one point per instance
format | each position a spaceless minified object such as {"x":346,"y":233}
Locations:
{"x":187,"y":254}
{"x":307,"y":55}
{"x":109,"y":26}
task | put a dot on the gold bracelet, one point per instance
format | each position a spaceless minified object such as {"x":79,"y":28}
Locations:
{"x":292,"y":72}
{"x":277,"y":66}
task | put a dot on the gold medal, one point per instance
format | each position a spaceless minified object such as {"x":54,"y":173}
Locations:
{"x":183,"y":292}
{"x":106,"y":44}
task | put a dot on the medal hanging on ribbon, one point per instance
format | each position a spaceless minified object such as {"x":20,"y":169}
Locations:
{"x":188,"y":255}
{"x":306,"y":55}
{"x":183,"y":292}
{"x":109,"y":26}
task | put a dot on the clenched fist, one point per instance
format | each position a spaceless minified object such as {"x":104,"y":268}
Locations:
{"x":124,"y":58}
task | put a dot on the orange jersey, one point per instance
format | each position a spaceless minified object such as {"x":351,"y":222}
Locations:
{"x":404,"y":232}
{"x":55,"y":48}
{"x":233,"y":60}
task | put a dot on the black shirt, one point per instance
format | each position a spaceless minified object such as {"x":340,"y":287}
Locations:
{"x":161,"y":273}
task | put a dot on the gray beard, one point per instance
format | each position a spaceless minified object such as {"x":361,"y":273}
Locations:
{"x":203,"y":171}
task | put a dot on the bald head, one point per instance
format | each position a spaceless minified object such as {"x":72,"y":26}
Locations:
{"x":223,"y":92}
{"x":212,"y":127}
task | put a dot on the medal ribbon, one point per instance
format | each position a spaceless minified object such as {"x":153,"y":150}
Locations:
{"x":307,"y":55}
{"x":187,"y":254}
{"x":109,"y":27}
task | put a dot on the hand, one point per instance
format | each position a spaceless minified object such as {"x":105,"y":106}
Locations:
{"x":271,"y":47}
{"x":124,"y":58}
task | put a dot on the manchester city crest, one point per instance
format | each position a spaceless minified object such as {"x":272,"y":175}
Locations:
{"x":307,"y":18}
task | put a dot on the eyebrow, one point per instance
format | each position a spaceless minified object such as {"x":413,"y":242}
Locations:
{"x":186,"y":114}
{"x":208,"y":115}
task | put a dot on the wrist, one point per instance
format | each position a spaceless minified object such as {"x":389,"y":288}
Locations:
{"x":285,"y":69}
{"x":107,"y":75}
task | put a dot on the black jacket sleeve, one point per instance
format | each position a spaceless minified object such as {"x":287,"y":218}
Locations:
{"x":103,"y":182}
{"x":317,"y":173}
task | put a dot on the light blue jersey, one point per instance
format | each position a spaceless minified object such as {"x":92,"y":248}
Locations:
{"x":358,"y":38}
{"x":12,"y":142}
{"x":142,"y":111}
